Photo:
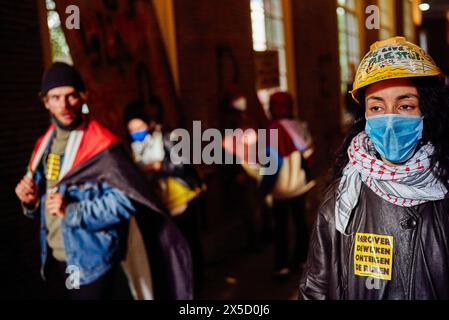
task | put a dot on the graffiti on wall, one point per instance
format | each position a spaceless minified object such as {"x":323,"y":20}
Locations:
{"x":120,"y":54}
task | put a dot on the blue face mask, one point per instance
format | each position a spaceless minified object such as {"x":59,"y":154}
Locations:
{"x":395,"y":136}
{"x":139,"y":135}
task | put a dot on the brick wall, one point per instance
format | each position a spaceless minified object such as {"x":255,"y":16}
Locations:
{"x":318,"y":86}
{"x":203,"y":29}
{"x":22,"y":119}
{"x":317,"y":71}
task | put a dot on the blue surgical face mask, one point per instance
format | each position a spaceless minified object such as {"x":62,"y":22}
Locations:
{"x":139,"y":135}
{"x":395,"y":136}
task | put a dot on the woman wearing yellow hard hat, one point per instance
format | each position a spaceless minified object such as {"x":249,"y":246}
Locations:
{"x":382,"y":231}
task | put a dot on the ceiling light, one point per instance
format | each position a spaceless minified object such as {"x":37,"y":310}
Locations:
{"x":424,"y":6}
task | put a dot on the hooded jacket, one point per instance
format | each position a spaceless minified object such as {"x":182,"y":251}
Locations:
{"x":388,"y":252}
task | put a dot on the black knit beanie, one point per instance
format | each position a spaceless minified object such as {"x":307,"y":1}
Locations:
{"x":60,"y":74}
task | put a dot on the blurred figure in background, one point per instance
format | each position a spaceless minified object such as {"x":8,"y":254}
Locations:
{"x":241,"y":194}
{"x":178,"y":185}
{"x":85,"y":190}
{"x":290,"y":184}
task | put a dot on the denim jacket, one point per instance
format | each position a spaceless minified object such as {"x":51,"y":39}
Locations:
{"x":94,"y":229}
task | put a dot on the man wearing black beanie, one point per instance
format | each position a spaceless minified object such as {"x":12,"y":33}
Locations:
{"x":85,"y":189}
{"x":63,"y":93}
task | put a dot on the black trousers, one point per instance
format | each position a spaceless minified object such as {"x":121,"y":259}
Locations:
{"x":281,"y":211}
{"x":188,"y":224}
{"x":56,"y":278}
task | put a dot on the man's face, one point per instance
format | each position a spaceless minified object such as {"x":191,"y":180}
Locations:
{"x":64,"y":103}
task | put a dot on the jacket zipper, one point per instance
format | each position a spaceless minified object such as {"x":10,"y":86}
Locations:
{"x":348,"y":263}
{"x":414,"y":250}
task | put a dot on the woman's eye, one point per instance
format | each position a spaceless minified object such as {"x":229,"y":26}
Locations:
{"x":375,"y":108}
{"x":407,"y":107}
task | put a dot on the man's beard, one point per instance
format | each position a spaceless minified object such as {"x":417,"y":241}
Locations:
{"x":69,"y":127}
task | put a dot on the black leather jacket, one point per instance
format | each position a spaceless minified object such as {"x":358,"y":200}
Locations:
{"x":419,"y":251}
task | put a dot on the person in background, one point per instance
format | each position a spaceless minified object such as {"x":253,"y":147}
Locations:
{"x":241,"y":195}
{"x":85,"y":209}
{"x":178,"y":186}
{"x":290,"y":184}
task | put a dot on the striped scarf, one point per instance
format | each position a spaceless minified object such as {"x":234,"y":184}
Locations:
{"x":405,"y":185}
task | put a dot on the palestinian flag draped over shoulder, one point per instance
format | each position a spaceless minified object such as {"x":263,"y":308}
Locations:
{"x":158,"y":262}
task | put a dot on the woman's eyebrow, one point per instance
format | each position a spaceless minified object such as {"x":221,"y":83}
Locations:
{"x":375,"y":98}
{"x":407,"y":96}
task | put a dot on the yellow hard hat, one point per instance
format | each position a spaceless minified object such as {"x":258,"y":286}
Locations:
{"x":391,"y":59}
{"x":176,"y":193}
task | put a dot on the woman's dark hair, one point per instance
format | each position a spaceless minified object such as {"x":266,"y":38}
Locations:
{"x":140,"y":110}
{"x":342,"y":158}
{"x":434,"y":104}
{"x":135,"y":110}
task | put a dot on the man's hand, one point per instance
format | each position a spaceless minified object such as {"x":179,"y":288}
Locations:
{"x":27,"y":191}
{"x":55,"y":204}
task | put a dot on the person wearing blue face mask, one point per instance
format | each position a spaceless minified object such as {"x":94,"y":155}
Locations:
{"x":178,"y":186}
{"x":147,"y":146}
{"x":139,"y":135}
{"x":381,"y":232}
{"x":393,"y":119}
